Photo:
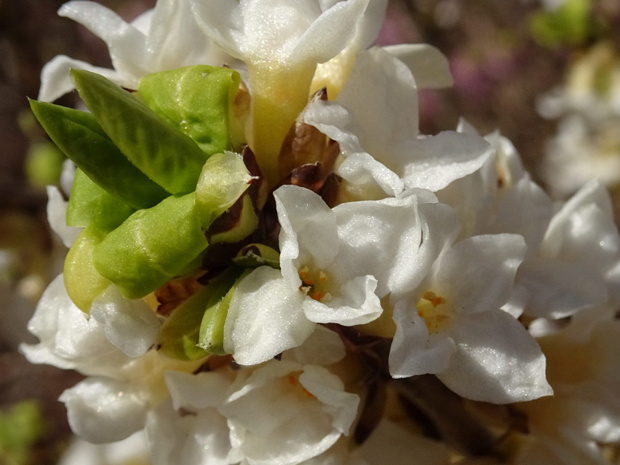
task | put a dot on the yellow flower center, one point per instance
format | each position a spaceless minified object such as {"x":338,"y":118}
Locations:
{"x":314,"y":284}
{"x":433,"y":310}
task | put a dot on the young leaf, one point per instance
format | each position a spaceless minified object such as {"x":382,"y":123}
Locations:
{"x":82,"y":280}
{"x":79,"y":136}
{"x":212,"y":327}
{"x":91,"y":205}
{"x":151,"y":246}
{"x":196,"y":99}
{"x":223,"y":179}
{"x":179,"y":335}
{"x":158,"y":149}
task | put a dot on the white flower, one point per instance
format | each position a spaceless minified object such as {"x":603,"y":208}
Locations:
{"x":164,"y":38}
{"x":69,"y":339}
{"x":584,"y":412}
{"x":376,"y":115}
{"x":336,"y":265}
{"x":281,"y":42}
{"x":112,"y":402}
{"x":453,"y":325}
{"x":284,"y":412}
{"x":576,"y":264}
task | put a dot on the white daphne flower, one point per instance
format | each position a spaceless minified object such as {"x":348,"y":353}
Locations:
{"x":281,"y":42}
{"x":584,"y":413}
{"x":111,"y":404}
{"x":336,"y":265}
{"x":376,"y":115}
{"x":581,"y":151}
{"x":586,"y":145}
{"x":69,"y":339}
{"x":164,"y":38}
{"x":453,"y":326}
{"x":576,"y":266}
{"x":284,"y":412}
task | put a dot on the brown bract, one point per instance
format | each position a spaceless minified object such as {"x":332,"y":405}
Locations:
{"x":307,"y":156}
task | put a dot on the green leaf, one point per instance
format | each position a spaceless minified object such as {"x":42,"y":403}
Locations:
{"x":179,"y":335}
{"x":223,"y":179}
{"x":91,"y":205}
{"x":79,"y":136}
{"x":156,"y":147}
{"x":211,"y":337}
{"x":82,"y":281}
{"x":196,"y":99}
{"x":151,"y":246}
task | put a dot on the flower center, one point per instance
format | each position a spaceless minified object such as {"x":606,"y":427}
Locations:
{"x":314,"y":284}
{"x":293,"y":381}
{"x":433,"y":311}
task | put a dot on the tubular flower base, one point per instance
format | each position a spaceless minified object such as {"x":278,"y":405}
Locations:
{"x":269,"y":264}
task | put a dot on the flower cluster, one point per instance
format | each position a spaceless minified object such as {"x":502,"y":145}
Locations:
{"x":269,"y":264}
{"x":587,"y":107}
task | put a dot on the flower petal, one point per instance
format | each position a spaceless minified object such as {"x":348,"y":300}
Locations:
{"x":414,"y":351}
{"x":496,"y":360}
{"x":264,"y":318}
{"x":103,"y":410}
{"x":430,"y":67}
{"x":130,"y":325}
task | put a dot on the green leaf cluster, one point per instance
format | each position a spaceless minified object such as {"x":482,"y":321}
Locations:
{"x":155,"y":169}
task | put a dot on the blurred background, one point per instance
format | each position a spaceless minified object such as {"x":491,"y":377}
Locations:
{"x":546,"y":74}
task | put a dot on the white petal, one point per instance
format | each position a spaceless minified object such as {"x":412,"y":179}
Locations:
{"x":189,"y":439}
{"x":175,"y":39}
{"x":477,"y":274}
{"x":56,"y":80}
{"x":103,"y":410}
{"x":583,"y":229}
{"x":331,"y":32}
{"x":56,"y":213}
{"x":196,"y":392}
{"x":414,"y":351}
{"x":355,"y":304}
{"x":223,"y":22}
{"x":525,"y":209}
{"x":69,"y":339}
{"x":382,"y":96}
{"x":496,"y":360}
{"x":127,"y":45}
{"x":367,"y":174}
{"x":434,"y":162}
{"x":380,"y":239}
{"x":278,"y":420}
{"x":323,"y":347}
{"x":429,"y":66}
{"x":308,"y":231}
{"x":337,"y":122}
{"x":264,"y":318}
{"x":558,"y":289}
{"x":329,"y":389}
{"x":130,"y":325}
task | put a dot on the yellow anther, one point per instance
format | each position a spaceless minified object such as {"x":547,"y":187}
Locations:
{"x":433,"y":298}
